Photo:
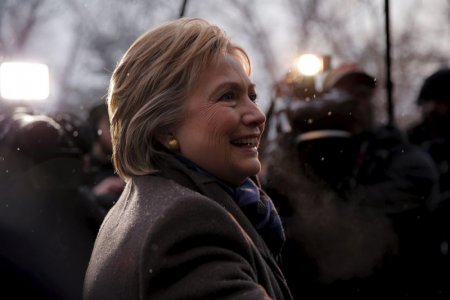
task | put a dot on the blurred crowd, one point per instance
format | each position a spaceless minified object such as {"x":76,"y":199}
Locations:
{"x":365,"y":206}
{"x":57,"y":183}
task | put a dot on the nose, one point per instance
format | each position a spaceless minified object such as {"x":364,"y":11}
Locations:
{"x":253,"y":115}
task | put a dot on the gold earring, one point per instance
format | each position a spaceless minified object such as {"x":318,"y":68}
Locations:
{"x":173,"y":144}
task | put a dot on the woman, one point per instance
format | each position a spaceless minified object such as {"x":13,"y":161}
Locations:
{"x":190,"y":224}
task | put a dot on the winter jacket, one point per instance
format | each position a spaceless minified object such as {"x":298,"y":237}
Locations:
{"x":177,"y":234}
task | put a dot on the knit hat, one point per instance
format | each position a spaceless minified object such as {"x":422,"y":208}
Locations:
{"x":436,"y":87}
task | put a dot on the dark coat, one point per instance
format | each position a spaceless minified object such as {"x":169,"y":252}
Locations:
{"x":180,"y":238}
{"x":46,"y":229}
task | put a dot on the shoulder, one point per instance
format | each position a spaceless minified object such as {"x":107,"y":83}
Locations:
{"x":173,"y":216}
{"x":158,"y":204}
{"x":178,"y":242}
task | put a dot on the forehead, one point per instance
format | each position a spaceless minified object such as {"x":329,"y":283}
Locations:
{"x":225,"y":69}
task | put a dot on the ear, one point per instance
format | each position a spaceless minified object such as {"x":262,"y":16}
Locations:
{"x":169,"y":141}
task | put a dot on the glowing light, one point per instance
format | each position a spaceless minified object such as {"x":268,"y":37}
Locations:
{"x":24,"y":81}
{"x":309,"y":64}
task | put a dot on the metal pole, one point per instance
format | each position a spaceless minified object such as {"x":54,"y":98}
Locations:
{"x":389,"y":84}
{"x":183,"y":8}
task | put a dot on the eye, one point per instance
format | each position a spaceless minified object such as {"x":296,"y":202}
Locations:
{"x":228,"y":96}
{"x":253,"y":97}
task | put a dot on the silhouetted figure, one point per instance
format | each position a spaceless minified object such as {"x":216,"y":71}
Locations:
{"x":47,"y":228}
{"x":432,"y":134}
{"x":353,"y":195}
{"x":106,"y":186}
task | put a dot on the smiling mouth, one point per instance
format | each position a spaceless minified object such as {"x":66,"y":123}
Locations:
{"x":246,"y":142}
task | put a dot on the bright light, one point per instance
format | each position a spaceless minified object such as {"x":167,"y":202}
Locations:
{"x":24,"y":81}
{"x":309,"y":64}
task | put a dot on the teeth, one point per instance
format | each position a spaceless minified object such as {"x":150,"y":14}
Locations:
{"x":247,"y":142}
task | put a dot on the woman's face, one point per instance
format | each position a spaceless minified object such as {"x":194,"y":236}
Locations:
{"x":223,"y":125}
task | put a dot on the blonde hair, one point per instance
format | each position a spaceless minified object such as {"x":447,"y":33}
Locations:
{"x":151,"y":82}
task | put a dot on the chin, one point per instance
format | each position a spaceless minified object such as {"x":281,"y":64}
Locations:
{"x":253,"y":169}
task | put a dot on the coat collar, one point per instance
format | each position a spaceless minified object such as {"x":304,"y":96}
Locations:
{"x":209,"y":187}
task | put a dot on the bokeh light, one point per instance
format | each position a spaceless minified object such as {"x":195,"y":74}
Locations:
{"x":24,"y":81}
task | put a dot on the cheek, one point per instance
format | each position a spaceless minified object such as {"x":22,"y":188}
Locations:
{"x":209,"y":127}
{"x":219,"y":128}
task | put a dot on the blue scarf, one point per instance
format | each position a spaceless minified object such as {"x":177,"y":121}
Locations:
{"x":255,"y":204}
{"x":260,"y":210}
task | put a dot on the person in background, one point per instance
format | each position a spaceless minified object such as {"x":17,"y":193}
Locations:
{"x":47,"y":227}
{"x":192,"y":222}
{"x":432,"y":134}
{"x":106,"y":185}
{"x":82,"y":138}
{"x":432,"y":131}
{"x":354,"y":195}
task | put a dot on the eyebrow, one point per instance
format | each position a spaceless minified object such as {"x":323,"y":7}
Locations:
{"x":233,"y":85}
